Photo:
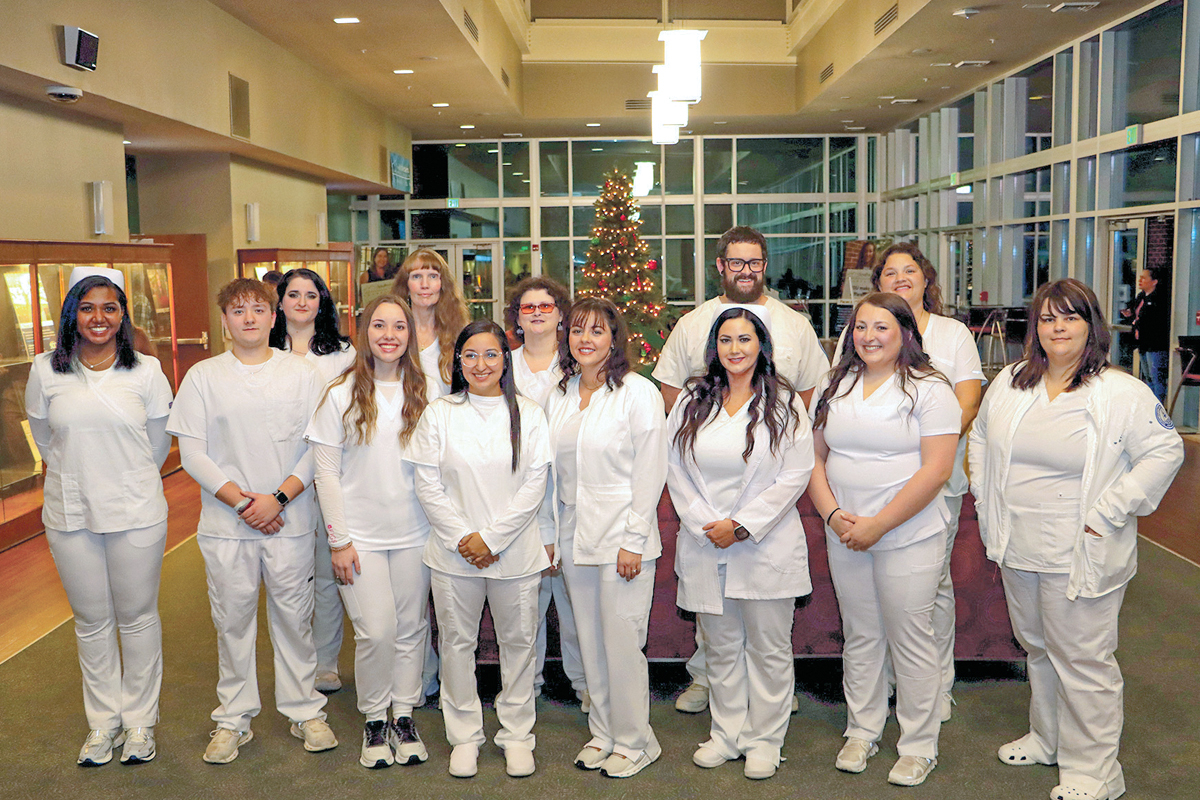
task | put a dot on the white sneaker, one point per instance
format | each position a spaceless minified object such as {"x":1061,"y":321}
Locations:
{"x":327,"y":682}
{"x":707,"y":757}
{"x":139,"y":746}
{"x":376,"y":752}
{"x":854,"y":754}
{"x":406,"y":742}
{"x":947,"y":706}
{"x":518,"y":761}
{"x":693,"y":700}
{"x":618,"y":766}
{"x":591,"y":757}
{"x":98,"y":746}
{"x":758,"y":768}
{"x":316,"y":733}
{"x":224,"y":745}
{"x":911,"y":770}
{"x":464,"y":760}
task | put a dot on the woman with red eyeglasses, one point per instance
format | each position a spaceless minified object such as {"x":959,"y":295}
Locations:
{"x":535,"y":314}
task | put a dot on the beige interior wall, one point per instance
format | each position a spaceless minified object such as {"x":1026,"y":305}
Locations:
{"x":173,"y":58}
{"x":288,"y":205}
{"x":191,"y":193}
{"x":47,"y":160}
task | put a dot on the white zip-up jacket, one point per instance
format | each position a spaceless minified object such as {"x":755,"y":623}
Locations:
{"x":621,"y":464}
{"x":1133,"y":453}
{"x":773,"y":562}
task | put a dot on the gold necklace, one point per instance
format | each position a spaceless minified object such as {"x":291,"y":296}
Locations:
{"x":99,"y":363}
{"x":591,"y":388}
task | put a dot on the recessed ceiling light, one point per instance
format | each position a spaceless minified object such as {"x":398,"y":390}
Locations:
{"x":467,"y":127}
{"x":493,"y":151}
{"x":429,"y":58}
{"x":402,"y":72}
{"x":511,"y":134}
{"x":887,"y":97}
{"x":920,"y":51}
{"x":941,"y":64}
{"x":594,"y":149}
{"x":856,"y":127}
{"x":507,"y":164}
{"x":847,"y":121}
{"x":441,"y":105}
{"x":126,"y":142}
{"x":721,"y":122}
{"x":593,"y":124}
{"x":345,"y":20}
{"x":1037,"y":97}
{"x":525,"y":181}
{"x":844,"y":97}
{"x":518,"y":174}
{"x":904,"y":101}
{"x":460,"y":144}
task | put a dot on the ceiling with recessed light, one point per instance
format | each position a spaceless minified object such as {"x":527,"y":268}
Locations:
{"x":569,"y":67}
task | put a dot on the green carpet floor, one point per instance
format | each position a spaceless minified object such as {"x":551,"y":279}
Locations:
{"x":42,"y":724}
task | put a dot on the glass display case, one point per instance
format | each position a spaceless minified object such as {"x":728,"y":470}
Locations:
{"x":334,"y":265}
{"x":35,"y":276}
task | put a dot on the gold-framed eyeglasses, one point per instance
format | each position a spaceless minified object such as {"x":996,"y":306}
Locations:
{"x":739,"y":264}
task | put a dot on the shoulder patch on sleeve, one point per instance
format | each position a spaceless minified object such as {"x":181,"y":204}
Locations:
{"x":1160,"y":414}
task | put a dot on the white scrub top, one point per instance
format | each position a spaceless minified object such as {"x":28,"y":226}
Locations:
{"x":253,"y":420}
{"x":534,"y":385}
{"x":429,"y":363}
{"x":378,"y":492}
{"x":875,"y":448}
{"x":465,"y":438}
{"x":331,"y":365}
{"x":100,"y":469}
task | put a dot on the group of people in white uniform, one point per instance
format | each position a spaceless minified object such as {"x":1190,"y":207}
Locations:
{"x":447,"y":463}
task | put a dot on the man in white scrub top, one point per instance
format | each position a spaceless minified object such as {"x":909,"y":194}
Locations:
{"x":240,"y":419}
{"x":742,"y":264}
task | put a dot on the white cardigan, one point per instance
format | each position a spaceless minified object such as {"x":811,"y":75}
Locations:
{"x":773,"y":562}
{"x":1133,"y":453}
{"x":621,"y":464}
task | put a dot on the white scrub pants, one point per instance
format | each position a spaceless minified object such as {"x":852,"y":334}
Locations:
{"x":327,"y":607}
{"x":553,"y":586}
{"x":886,"y":601}
{"x":751,"y":670}
{"x":234,"y":568}
{"x":111,"y":580}
{"x":1076,"y":707}
{"x":943,"y":603}
{"x":697,"y":665}
{"x":389,"y":606}
{"x":458,"y":601}
{"x":612,"y":616}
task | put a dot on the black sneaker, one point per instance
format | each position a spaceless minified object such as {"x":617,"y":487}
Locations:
{"x":406,"y":742}
{"x":376,"y":750}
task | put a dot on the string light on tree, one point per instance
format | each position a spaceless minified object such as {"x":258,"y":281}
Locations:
{"x":618,"y":267}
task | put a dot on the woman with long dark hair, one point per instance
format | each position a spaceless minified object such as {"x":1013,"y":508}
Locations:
{"x":743,"y":558}
{"x":481,"y":457}
{"x":98,"y":412}
{"x":1066,"y":454}
{"x":608,"y":436}
{"x":375,"y":526}
{"x":885,"y":429}
{"x":425,"y":283}
{"x":306,"y":324}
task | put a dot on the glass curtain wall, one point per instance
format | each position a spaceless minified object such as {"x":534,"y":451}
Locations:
{"x":809,"y":195}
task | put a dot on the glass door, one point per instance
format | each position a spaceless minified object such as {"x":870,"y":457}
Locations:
{"x":478,"y":269}
{"x":1126,"y":254}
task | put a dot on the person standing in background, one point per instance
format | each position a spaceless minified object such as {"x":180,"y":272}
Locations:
{"x":742,"y":264}
{"x":1150,"y":316}
{"x":425,"y":283}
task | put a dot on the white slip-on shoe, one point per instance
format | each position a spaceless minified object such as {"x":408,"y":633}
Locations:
{"x":707,"y":757}
{"x":316,"y":733}
{"x":1019,"y":753}
{"x":693,"y":700}
{"x":98,"y":746}
{"x":947,"y":701}
{"x":758,"y":768}
{"x":911,"y":770}
{"x":854,"y":754}
{"x":224,"y":745}
{"x":139,"y":746}
{"x":591,"y":757}
{"x":1064,"y":792}
{"x":464,"y":760}
{"x":585,"y":701}
{"x":327,"y":682}
{"x":518,"y":761}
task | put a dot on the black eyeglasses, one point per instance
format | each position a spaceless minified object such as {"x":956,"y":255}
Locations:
{"x":739,"y":264}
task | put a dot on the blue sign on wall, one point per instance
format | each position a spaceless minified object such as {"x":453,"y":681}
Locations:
{"x":401,"y":169}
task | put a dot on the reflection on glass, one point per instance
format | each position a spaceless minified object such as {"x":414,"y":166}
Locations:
{"x":843,"y":163}
{"x":1037,"y":257}
{"x":783,"y":217}
{"x":515,"y":168}
{"x":556,"y":261}
{"x":1085,"y":188}
{"x":456,"y":223}
{"x":679,"y":269}
{"x":16,"y":315}
{"x":583,"y":219}
{"x":679,"y":159}
{"x":518,"y":263}
{"x":796,"y":268}
{"x":1146,"y":174}
{"x":1146,"y":86}
{"x":478,"y":288}
{"x":718,"y":218}
{"x":843,"y":217}
{"x":465,"y":170}
{"x":391,"y":225}
{"x":516,"y":221}
{"x":718,"y":166}
{"x":651,"y":216}
{"x":773,"y":166}
{"x":680,"y":220}
{"x":712,"y":278}
{"x":555,"y":220}
{"x":553,"y":163}
{"x":591,"y":160}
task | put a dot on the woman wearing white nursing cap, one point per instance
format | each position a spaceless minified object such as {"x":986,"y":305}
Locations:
{"x":98,"y":412}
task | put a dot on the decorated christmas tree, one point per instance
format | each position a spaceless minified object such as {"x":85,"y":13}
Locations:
{"x":618,"y":268}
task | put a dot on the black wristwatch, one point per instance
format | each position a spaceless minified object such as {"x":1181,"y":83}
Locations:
{"x":740,"y":533}
{"x":280,"y":497}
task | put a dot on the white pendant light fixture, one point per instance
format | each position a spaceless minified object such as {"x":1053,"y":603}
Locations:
{"x":681,"y":77}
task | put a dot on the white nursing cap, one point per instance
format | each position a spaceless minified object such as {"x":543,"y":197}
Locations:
{"x":760,"y":310}
{"x":79,"y":273}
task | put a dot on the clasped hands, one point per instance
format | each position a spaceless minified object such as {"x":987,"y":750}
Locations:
{"x":472,"y":548}
{"x":264,"y":513}
{"x":856,"y":532}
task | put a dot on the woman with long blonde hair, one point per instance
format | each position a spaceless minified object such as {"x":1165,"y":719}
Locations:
{"x":375,"y":525}
{"x":439,"y":310}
